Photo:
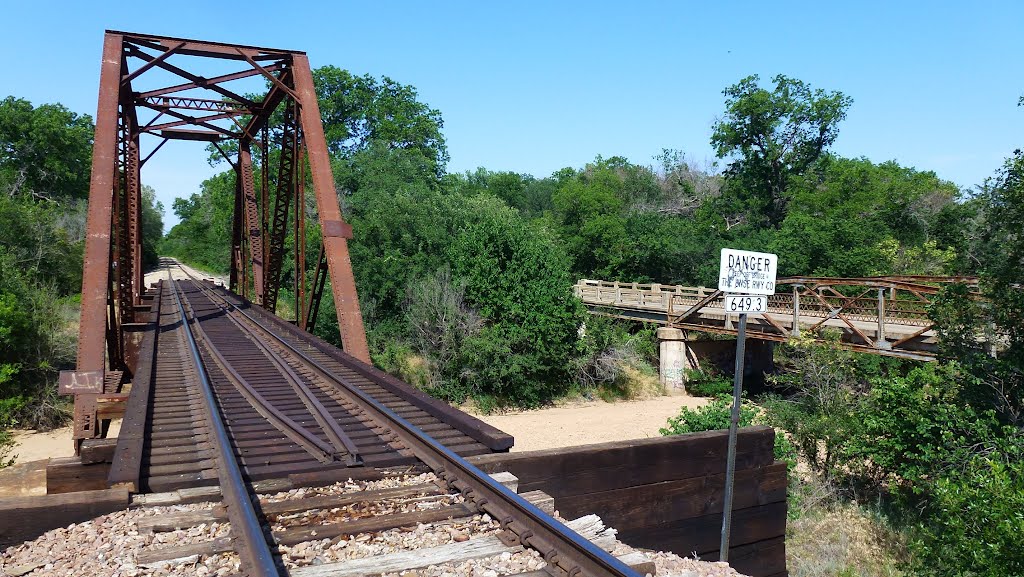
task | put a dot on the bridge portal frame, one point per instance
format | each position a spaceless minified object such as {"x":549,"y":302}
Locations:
{"x":112,"y":284}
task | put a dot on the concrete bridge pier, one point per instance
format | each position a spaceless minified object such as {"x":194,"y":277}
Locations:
{"x":677,"y":355}
{"x":675,"y":359}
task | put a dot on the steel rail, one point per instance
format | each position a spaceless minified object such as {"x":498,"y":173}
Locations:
{"x":524,"y":523}
{"x":343,"y":444}
{"x":302,"y":436}
{"x":245,"y":524}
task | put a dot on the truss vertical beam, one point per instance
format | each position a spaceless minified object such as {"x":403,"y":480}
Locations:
{"x":136,"y":216}
{"x":333,"y":227}
{"x":300,"y":241}
{"x":129,"y":263}
{"x":96,"y":272}
{"x":237,"y":278}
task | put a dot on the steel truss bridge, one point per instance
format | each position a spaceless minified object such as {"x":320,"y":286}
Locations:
{"x":879,"y":315}
{"x":155,"y":89}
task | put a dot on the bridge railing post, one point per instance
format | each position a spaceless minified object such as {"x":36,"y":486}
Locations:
{"x":796,"y":310}
{"x":881,"y":341}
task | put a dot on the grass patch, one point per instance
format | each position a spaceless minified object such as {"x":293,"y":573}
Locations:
{"x":830,"y":537}
{"x":634,"y":381}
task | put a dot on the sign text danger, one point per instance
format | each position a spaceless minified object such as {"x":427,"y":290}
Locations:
{"x":747,"y":272}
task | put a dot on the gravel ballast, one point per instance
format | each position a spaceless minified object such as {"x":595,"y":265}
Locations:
{"x":111,"y":544}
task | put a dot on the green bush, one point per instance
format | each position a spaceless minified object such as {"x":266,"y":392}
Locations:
{"x":908,"y":430}
{"x":717,"y":415}
{"x":472,"y":286}
{"x":974,"y":519}
{"x":711,"y":417}
{"x":707,"y":383}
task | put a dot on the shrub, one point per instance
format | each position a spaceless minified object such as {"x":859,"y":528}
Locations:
{"x":517,"y":278}
{"x":717,"y":415}
{"x":908,"y":430}
{"x":974,"y":519}
{"x":614,"y":363}
{"x":825,"y":385}
{"x":707,"y":383}
{"x":711,"y":417}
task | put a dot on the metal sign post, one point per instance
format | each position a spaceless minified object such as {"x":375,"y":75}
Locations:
{"x":753,"y":275}
{"x":734,"y":424}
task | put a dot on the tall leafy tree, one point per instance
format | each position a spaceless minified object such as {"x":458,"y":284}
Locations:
{"x":45,"y":151}
{"x":358,"y":111}
{"x":996,"y":366}
{"x":772,"y":135}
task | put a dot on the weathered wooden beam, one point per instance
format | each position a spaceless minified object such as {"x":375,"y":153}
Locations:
{"x":68,"y":474}
{"x":24,"y":518}
{"x":619,"y":464}
{"x":97,"y":451}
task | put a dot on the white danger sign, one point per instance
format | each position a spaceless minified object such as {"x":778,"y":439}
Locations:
{"x":746,"y":272}
{"x":746,"y":303}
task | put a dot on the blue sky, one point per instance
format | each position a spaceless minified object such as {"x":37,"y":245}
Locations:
{"x":536,"y":86}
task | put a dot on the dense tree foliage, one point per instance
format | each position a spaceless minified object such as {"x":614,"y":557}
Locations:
{"x":203,"y":235}
{"x":853,"y":218}
{"x":45,"y":151}
{"x":774,"y":135}
{"x":360,"y":111}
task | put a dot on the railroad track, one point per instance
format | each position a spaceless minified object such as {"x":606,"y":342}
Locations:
{"x":258,"y":409}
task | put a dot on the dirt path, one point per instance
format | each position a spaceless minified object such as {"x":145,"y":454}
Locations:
{"x":583,"y":423}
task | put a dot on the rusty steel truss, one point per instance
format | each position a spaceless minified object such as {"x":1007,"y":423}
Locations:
{"x":283,"y":126}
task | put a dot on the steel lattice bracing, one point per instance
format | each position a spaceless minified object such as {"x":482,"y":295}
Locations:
{"x":138,"y":112}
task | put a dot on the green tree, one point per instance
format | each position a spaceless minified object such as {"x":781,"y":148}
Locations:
{"x":994,"y":362}
{"x":45,"y":151}
{"x":358,"y":111}
{"x":772,"y":136}
{"x":203,"y":236}
{"x":152,"y":226}
{"x":851,"y":218}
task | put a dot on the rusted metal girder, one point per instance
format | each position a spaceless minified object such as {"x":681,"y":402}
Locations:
{"x":286,"y":185}
{"x":334,"y":230}
{"x":254,"y":232}
{"x":203,"y":109}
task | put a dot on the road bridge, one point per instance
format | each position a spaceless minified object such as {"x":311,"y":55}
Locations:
{"x":878,"y":315}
